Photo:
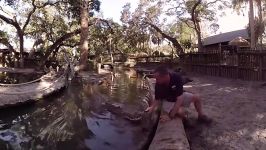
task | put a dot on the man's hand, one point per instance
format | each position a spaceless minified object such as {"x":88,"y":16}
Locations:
{"x":164,"y":118}
{"x":149,"y":109}
{"x":154,"y":105}
{"x":172,"y":114}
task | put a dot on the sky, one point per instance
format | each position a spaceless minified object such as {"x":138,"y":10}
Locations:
{"x":230,"y":22}
{"x":113,"y":8}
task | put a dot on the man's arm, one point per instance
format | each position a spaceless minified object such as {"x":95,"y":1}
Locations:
{"x":154,"y":105}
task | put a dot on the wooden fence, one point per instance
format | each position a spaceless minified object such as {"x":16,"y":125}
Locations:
{"x":245,"y":65}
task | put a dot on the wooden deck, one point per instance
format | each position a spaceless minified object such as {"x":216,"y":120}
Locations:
{"x":13,"y":94}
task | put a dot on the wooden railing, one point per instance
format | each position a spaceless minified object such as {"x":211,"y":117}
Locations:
{"x":246,"y":65}
{"x":166,"y":58}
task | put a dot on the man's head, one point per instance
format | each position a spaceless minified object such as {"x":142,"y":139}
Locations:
{"x":162,"y":75}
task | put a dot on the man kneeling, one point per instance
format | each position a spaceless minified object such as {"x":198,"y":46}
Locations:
{"x":169,"y":86}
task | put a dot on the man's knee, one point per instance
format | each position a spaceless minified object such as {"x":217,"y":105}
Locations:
{"x":180,"y":112}
{"x":196,"y":98}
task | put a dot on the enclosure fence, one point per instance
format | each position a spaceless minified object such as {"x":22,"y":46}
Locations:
{"x":245,"y":65}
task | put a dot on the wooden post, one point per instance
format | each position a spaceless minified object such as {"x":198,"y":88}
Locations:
{"x":111,"y":53}
{"x":3,"y":59}
{"x":190,"y":62}
{"x":205,"y":63}
{"x":260,"y":65}
{"x":237,"y":63}
{"x":220,"y":59}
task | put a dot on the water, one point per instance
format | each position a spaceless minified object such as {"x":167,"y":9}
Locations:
{"x":77,"y":118}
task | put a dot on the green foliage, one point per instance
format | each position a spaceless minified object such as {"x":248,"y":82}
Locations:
{"x":49,"y":23}
{"x":259,"y":23}
{"x":73,"y":7}
{"x":259,"y":29}
{"x":3,"y":34}
{"x":11,"y":2}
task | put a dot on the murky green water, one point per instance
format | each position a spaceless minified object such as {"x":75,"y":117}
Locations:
{"x":77,"y":118}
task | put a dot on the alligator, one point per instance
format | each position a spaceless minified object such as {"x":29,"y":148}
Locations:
{"x":135,"y":116}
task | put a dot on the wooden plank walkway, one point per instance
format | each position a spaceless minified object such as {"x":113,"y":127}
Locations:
{"x":170,"y":134}
{"x":13,"y":94}
{"x":18,"y":70}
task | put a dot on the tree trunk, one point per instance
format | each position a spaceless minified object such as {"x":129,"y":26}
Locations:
{"x":251,"y":24}
{"x":195,"y":20}
{"x":21,"y":48}
{"x":260,"y":22}
{"x":84,"y":34}
{"x":198,"y":31}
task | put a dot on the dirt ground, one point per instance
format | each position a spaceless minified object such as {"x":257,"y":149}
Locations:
{"x":238,"y":109}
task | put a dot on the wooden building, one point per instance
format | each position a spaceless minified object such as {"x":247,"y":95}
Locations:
{"x":216,"y":42}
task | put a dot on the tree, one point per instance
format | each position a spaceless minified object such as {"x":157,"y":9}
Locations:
{"x":136,"y":34}
{"x":191,"y":12}
{"x":51,"y":23}
{"x":195,"y":12}
{"x":22,"y":27}
{"x":145,"y":19}
{"x":5,"y":41}
{"x":256,"y":26}
{"x":84,"y":34}
{"x":82,"y":10}
{"x":52,"y":31}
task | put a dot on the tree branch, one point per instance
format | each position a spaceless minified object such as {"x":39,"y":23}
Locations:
{"x":37,"y":42}
{"x":9,"y":21}
{"x":29,"y":15}
{"x":171,"y":39}
{"x":193,"y":14}
{"x":187,"y":23}
{"x":1,"y":8}
{"x":58,"y":42}
{"x":70,"y":45}
{"x":13,"y":23}
{"x":107,"y":23}
{"x":34,"y":9}
{"x":5,"y":42}
{"x":213,"y":2}
{"x":50,"y":4}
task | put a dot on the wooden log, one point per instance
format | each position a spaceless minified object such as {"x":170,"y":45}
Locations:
{"x":171,"y":134}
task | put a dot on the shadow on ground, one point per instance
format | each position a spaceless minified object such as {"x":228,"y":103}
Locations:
{"x":238,"y":109}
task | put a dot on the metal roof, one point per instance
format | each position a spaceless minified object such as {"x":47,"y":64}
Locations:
{"x":226,"y":37}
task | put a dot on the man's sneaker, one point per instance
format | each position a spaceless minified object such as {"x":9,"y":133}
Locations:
{"x":204,"y":119}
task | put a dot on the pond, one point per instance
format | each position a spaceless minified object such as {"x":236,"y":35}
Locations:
{"x":77,"y":118}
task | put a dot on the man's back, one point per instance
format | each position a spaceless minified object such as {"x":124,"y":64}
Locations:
{"x":171,"y":91}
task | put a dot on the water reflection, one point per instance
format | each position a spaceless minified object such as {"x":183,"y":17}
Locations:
{"x":78,"y":118}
